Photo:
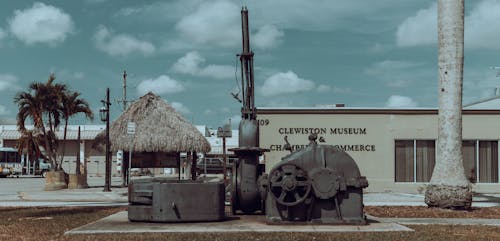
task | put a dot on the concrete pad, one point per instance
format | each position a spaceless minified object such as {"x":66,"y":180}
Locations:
{"x":445,"y":221}
{"x":119,"y":223}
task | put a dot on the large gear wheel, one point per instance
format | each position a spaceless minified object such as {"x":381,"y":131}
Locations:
{"x":289,"y":185}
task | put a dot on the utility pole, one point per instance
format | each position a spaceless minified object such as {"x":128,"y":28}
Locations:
{"x":104,"y":114}
{"x":124,"y":101}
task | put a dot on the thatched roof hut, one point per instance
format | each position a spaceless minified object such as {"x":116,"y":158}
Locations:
{"x":159,"y":128}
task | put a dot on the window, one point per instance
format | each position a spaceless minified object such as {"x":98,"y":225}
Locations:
{"x":415,"y":160}
{"x":482,"y":154}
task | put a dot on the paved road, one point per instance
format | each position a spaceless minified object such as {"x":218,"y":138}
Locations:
{"x":25,"y":191}
{"x":29,"y":191}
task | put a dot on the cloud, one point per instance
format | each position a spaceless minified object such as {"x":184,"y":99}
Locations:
{"x":66,"y":74}
{"x":397,"y":101}
{"x":420,"y":29}
{"x":41,"y":24}
{"x":181,"y":108}
{"x":267,"y":36}
{"x":121,"y":44}
{"x":215,"y":23}
{"x":395,"y":73}
{"x":95,"y":1}
{"x":285,"y":83}
{"x":323,"y":88}
{"x":191,"y":63}
{"x":209,"y":112}
{"x":207,"y":26}
{"x":3,"y":34}
{"x":388,"y":66}
{"x":481,"y":27}
{"x":161,"y":85}
{"x":8,"y":82}
{"x":3,"y":110}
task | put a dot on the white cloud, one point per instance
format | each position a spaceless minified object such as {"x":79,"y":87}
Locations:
{"x":395,"y":73}
{"x":214,"y":23}
{"x":206,"y":25}
{"x":191,"y":63}
{"x":121,"y":44}
{"x":95,"y":1}
{"x":397,"y":101}
{"x":3,"y":34}
{"x":209,"y":112}
{"x":41,"y":24}
{"x":267,"y":36}
{"x":420,"y":29}
{"x":181,"y":108}
{"x":323,"y":88}
{"x":66,"y":74}
{"x":161,"y":85}
{"x":285,"y":83}
{"x":389,"y":66}
{"x":481,"y":27}
{"x":3,"y":110}
{"x":378,"y":48}
{"x":8,"y":82}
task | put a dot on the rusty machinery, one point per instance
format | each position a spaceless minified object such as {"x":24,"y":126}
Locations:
{"x":245,"y":193}
{"x":166,"y":200}
{"x":319,"y":183}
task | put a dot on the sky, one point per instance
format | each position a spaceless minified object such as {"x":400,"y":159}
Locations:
{"x":361,"y":53}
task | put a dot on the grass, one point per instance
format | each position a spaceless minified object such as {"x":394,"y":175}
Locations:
{"x":51,"y":223}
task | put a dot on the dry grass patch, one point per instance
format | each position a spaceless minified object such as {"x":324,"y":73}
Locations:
{"x":51,"y":223}
{"x":426,"y":212}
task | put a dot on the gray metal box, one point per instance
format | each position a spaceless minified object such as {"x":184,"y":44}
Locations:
{"x":162,"y":200}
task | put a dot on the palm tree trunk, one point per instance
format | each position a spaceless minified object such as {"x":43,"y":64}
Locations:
{"x":53,"y":151}
{"x":64,"y":140}
{"x":449,"y":188}
{"x":48,"y":150}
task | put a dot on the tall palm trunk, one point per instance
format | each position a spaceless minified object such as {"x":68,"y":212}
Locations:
{"x":64,"y":140}
{"x":48,"y":149}
{"x":449,"y":188}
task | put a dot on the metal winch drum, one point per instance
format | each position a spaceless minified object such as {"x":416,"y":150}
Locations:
{"x":319,"y":183}
{"x":167,"y":200}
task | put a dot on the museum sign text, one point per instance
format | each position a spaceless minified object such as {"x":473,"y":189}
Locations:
{"x":322,"y":133}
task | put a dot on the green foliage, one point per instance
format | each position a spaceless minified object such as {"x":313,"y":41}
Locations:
{"x":45,"y":104}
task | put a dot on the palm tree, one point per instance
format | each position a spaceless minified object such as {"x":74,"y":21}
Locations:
{"x":30,"y":143}
{"x":40,"y":104}
{"x":449,"y":188}
{"x":71,"y":105}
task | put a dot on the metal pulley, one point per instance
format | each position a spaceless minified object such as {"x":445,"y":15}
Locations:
{"x":289,"y":185}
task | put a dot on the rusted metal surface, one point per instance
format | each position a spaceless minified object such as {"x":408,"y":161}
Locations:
{"x":164,"y":200}
{"x":245,"y":193}
{"x":320,"y":183}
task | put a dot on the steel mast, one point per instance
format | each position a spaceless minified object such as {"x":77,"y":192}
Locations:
{"x":246,"y":170}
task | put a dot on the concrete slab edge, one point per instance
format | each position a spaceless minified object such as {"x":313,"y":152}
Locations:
{"x":118,"y":223}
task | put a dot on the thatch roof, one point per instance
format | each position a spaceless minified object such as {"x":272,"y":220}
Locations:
{"x":159,"y":128}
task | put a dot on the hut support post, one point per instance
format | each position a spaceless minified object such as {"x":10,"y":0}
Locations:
{"x":194,"y":157}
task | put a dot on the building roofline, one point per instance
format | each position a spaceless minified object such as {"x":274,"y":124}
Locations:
{"x":372,"y":111}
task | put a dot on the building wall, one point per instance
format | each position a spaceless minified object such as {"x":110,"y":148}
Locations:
{"x":95,"y":159}
{"x":369,"y":138}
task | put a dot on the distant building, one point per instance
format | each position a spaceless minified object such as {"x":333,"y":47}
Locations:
{"x":95,"y":159}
